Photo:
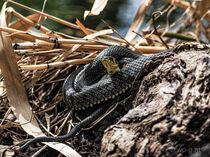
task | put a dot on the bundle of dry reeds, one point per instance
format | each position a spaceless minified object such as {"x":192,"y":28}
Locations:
{"x":35,"y":61}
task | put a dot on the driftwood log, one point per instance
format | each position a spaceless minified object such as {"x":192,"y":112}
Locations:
{"x":171,"y":108}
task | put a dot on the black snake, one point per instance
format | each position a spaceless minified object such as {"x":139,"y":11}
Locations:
{"x":91,"y":85}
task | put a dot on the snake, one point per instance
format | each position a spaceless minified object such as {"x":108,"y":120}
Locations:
{"x":102,"y":81}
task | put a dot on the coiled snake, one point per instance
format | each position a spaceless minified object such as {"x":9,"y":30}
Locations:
{"x":110,"y":75}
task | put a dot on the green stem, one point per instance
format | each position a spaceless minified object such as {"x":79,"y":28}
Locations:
{"x":176,"y":35}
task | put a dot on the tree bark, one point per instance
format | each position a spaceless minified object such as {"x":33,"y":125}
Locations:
{"x":171,"y":108}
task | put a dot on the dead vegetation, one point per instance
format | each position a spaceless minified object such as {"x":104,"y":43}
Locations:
{"x":34,"y":62}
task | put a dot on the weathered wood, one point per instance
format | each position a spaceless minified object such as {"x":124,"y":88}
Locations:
{"x":171,"y":114}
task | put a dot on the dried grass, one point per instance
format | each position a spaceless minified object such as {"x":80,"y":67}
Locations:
{"x":41,"y":59}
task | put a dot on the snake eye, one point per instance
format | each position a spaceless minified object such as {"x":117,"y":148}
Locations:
{"x":112,"y":59}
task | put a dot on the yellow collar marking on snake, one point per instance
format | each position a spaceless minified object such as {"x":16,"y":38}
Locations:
{"x":110,"y":64}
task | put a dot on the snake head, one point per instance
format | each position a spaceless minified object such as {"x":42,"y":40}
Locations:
{"x":110,"y":64}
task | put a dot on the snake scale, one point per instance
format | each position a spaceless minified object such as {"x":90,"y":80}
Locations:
{"x":91,"y":85}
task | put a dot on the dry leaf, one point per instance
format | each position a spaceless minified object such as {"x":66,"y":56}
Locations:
{"x":185,"y":5}
{"x":98,"y":6}
{"x":16,"y":92}
{"x":5,"y":151}
{"x":138,"y":19}
{"x":201,"y":10}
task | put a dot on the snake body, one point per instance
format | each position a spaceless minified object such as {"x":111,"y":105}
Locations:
{"x":91,"y":85}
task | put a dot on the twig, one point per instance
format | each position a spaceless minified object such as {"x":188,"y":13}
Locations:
{"x":115,"y":31}
{"x":154,"y":15}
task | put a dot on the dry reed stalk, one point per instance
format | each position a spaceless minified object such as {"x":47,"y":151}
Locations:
{"x":16,"y":91}
{"x":38,"y":52}
{"x":56,"y":64}
{"x":47,"y":45}
{"x":25,"y":23}
{"x":59,"y":20}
